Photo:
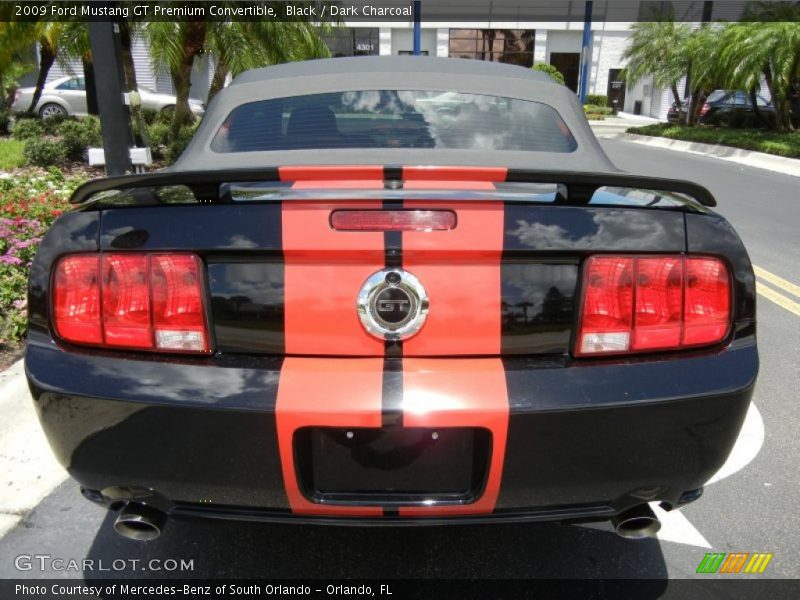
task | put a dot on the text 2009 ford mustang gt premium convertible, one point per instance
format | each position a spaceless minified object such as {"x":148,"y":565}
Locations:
{"x":392,"y":291}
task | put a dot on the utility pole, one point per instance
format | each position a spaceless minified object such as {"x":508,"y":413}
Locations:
{"x":586,"y":52}
{"x":115,"y":120}
{"x":417,"y":27}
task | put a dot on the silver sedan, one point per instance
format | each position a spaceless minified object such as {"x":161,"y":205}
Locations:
{"x":67,"y":96}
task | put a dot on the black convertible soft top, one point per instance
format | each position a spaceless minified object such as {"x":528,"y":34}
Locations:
{"x":397,"y":73}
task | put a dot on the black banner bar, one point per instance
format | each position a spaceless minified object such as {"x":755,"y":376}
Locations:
{"x":499,"y":13}
{"x":516,"y":589}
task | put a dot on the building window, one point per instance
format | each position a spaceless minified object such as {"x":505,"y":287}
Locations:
{"x":355,"y":41}
{"x":513,"y":46}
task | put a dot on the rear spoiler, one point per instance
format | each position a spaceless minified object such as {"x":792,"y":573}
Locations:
{"x":580,"y":185}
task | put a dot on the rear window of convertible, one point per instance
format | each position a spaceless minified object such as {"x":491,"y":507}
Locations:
{"x":394,"y":119}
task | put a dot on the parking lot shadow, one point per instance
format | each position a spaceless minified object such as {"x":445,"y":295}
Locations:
{"x":286,"y":551}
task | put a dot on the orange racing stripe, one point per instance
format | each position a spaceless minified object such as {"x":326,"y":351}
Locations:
{"x":459,"y":392}
{"x":332,"y":392}
{"x":462,"y":277}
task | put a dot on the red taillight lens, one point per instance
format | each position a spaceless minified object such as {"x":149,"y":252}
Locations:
{"x":126,"y":301}
{"x":641,"y":304}
{"x":659,"y":294}
{"x":76,"y":299}
{"x":708,"y":301}
{"x":178,"y":315}
{"x":607,"y":305}
{"x":393,"y":220}
{"x":136,"y":301}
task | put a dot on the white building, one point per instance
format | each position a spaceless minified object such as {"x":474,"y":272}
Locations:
{"x":500,"y":30}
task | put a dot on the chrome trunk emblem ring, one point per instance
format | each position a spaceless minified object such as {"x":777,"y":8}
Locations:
{"x":392,"y":304}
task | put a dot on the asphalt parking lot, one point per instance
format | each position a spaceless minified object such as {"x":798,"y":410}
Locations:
{"x":752,"y":507}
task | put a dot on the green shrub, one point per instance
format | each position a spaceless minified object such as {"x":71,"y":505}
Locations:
{"x":550,"y":70}
{"x":178,"y":145}
{"x":165,"y":115}
{"x":28,"y":128}
{"x":596,"y":100}
{"x":5,"y":121}
{"x":149,"y":115}
{"x":158,"y":136}
{"x":77,"y":136}
{"x":760,"y":140}
{"x":51,"y":124}
{"x":94,"y":135}
{"x":44,"y":152}
{"x":597,"y":110}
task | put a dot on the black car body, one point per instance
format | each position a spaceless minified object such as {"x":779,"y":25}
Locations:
{"x":391,"y":291}
{"x":734,"y":107}
{"x":730,"y":107}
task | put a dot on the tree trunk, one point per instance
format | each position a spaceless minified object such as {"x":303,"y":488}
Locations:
{"x":776,"y":100}
{"x":194,"y":39}
{"x":127,"y":55}
{"x":218,"y":81}
{"x":782,"y":116}
{"x":46,"y":59}
{"x":756,"y":110}
{"x":676,"y":95}
{"x":690,"y":108}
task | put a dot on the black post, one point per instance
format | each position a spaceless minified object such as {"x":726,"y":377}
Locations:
{"x":114,"y":114}
{"x":91,"y":87}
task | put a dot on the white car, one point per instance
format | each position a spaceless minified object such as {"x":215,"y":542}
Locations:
{"x":67,"y":96}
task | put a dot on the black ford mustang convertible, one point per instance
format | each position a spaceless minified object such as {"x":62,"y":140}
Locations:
{"x":392,"y":291}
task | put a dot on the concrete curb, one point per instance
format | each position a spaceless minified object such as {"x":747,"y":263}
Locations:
{"x":760,"y":160}
{"x":28,"y":469}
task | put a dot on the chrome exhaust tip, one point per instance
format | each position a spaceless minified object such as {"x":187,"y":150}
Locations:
{"x":140,"y":522}
{"x":636,"y":523}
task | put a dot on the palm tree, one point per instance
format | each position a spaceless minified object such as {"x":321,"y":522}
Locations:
{"x":236,"y":46}
{"x":17,"y":36}
{"x":174,"y":46}
{"x":14,"y":62}
{"x":658,"y":48}
{"x":703,"y":50}
{"x":768,"y":49}
{"x":239,"y":46}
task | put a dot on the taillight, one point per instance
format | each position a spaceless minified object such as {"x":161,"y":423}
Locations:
{"x":651,"y":303}
{"x":393,"y":220}
{"x":704,"y":109}
{"x":135,"y":301}
{"x":76,"y":299}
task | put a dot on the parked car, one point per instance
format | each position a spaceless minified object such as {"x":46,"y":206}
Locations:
{"x":677,"y":113}
{"x":67,"y":96}
{"x":344,"y":305}
{"x":724,"y":105}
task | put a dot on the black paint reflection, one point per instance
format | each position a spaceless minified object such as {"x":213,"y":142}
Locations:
{"x":537,"y":307}
{"x":247,"y":306}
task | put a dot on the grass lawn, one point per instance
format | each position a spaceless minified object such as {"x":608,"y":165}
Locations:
{"x":771,"y":142}
{"x":11,"y":154}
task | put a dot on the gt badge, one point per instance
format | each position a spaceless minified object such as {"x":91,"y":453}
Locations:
{"x":392,"y":304}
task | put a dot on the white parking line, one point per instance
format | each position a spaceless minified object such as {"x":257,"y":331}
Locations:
{"x":675,"y":526}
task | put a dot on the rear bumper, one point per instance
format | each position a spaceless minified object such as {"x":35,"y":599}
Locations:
{"x":208,"y":437}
